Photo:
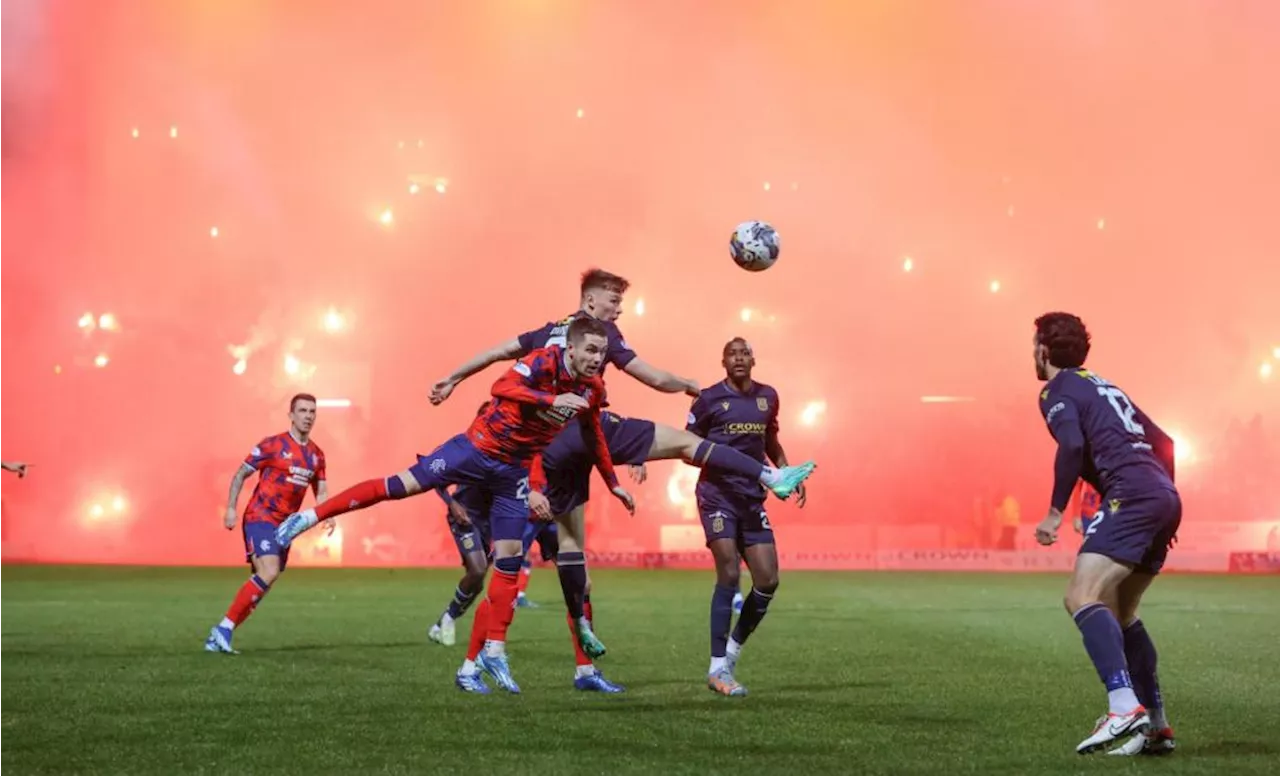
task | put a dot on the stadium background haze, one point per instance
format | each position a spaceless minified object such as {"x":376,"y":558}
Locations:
{"x":214,"y":205}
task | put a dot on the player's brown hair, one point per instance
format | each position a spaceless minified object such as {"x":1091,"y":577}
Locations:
{"x":597,"y":278}
{"x":583,"y":326}
{"x":297,"y":397}
{"x":1066,"y":338}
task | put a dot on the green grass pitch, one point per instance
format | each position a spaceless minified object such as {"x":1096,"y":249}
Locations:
{"x":851,"y":673}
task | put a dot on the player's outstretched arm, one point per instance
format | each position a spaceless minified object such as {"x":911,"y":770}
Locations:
{"x":660,"y":380}
{"x":17,"y":467}
{"x":503,"y":352}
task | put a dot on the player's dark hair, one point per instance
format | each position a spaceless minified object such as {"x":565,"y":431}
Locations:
{"x":595,"y":278}
{"x":583,"y":326}
{"x":297,"y":397}
{"x":1066,"y":338}
{"x":724,"y":353}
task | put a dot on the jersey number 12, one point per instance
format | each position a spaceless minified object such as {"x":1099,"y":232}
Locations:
{"x":1124,"y":408}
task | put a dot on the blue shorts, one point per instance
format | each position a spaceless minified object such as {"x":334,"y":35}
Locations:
{"x":546,"y":535}
{"x":458,"y":462}
{"x":260,"y":540}
{"x":1137,"y":530}
{"x":569,"y":484}
{"x":727,"y":515}
{"x":476,"y":537}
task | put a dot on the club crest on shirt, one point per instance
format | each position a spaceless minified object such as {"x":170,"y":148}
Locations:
{"x":724,"y":405}
{"x":762,"y":404}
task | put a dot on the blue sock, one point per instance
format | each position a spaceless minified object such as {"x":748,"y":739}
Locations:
{"x":1105,"y":644}
{"x":713,"y":456}
{"x":753,"y":611}
{"x":721,"y":619}
{"x":1140,"y":652}
{"x":572,"y":568}
{"x":461,"y":602}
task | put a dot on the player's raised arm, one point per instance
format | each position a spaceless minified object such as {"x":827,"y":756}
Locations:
{"x":502,"y":352}
{"x":1064,"y":424}
{"x":660,"y":380}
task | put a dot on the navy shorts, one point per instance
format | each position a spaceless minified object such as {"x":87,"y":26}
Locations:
{"x":476,"y":537}
{"x":1137,"y":530}
{"x":569,"y":485}
{"x":727,"y":515}
{"x":260,"y":539}
{"x":458,"y":462}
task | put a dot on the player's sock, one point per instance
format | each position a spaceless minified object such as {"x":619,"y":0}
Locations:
{"x":461,"y":602}
{"x":1140,"y":653}
{"x":246,"y":600}
{"x":586,"y":610}
{"x":479,"y":632}
{"x":502,"y":602}
{"x":584,"y":670}
{"x":721,"y":619}
{"x":580,"y":658}
{"x":572,"y":568}
{"x":753,"y":611}
{"x":365,"y":494}
{"x":526,"y":570}
{"x":712,"y":456}
{"x":1105,"y":644}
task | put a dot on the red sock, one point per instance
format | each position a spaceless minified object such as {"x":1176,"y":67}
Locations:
{"x":580,"y":657}
{"x":502,"y":603}
{"x":479,"y":629}
{"x":586,"y":612}
{"x":246,"y":600}
{"x":366,"y":494}
{"x":525,"y":573}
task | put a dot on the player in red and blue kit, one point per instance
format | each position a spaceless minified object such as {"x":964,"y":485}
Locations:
{"x":287,"y":464}
{"x":540,"y":395}
{"x":1119,"y":451}
{"x":742,"y":414}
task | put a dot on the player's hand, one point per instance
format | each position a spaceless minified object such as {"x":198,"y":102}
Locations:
{"x":1047,"y":530}
{"x":330,"y":526}
{"x":691,"y":388}
{"x":638,"y":474}
{"x":540,"y":505}
{"x":229,"y":520}
{"x":570,"y":401}
{"x":1078,"y":525}
{"x":17,"y":467}
{"x":626,"y":499}
{"x":458,"y":515}
{"x":801,"y":495}
{"x":441,"y":390}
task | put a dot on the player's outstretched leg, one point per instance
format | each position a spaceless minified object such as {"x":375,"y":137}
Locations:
{"x":669,"y":442}
{"x":1096,"y":579}
{"x":762,"y":560}
{"x":361,"y":496}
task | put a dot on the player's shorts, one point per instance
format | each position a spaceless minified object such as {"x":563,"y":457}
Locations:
{"x":546,"y":535}
{"x":727,"y":515}
{"x":476,"y":537}
{"x":458,"y":462}
{"x":1138,"y":530}
{"x":260,"y":540}
{"x":569,"y":487}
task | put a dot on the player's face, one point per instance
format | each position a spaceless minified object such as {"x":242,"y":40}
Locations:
{"x":738,"y":361}
{"x":1041,"y":355}
{"x":585,"y":357}
{"x":303,"y":416}
{"x":606,"y":304}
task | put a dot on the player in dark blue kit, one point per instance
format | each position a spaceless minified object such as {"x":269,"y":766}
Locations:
{"x":742,"y":414}
{"x":1118,"y":450}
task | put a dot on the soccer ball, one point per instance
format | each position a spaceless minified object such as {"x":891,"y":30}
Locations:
{"x":754,"y":246}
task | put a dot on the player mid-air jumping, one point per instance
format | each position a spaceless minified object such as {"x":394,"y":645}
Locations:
{"x":631,"y":441}
{"x":743,"y":414}
{"x":1104,"y":438}
{"x":287,"y":464}
{"x":540,"y":395}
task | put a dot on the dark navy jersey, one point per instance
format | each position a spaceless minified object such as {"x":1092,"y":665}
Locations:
{"x":743,"y":421}
{"x":1124,"y":452}
{"x":554,"y":333}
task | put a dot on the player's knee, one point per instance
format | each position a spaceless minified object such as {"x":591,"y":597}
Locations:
{"x":727,"y":575}
{"x":473,"y":577}
{"x":268,"y":573}
{"x":767,"y":583}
